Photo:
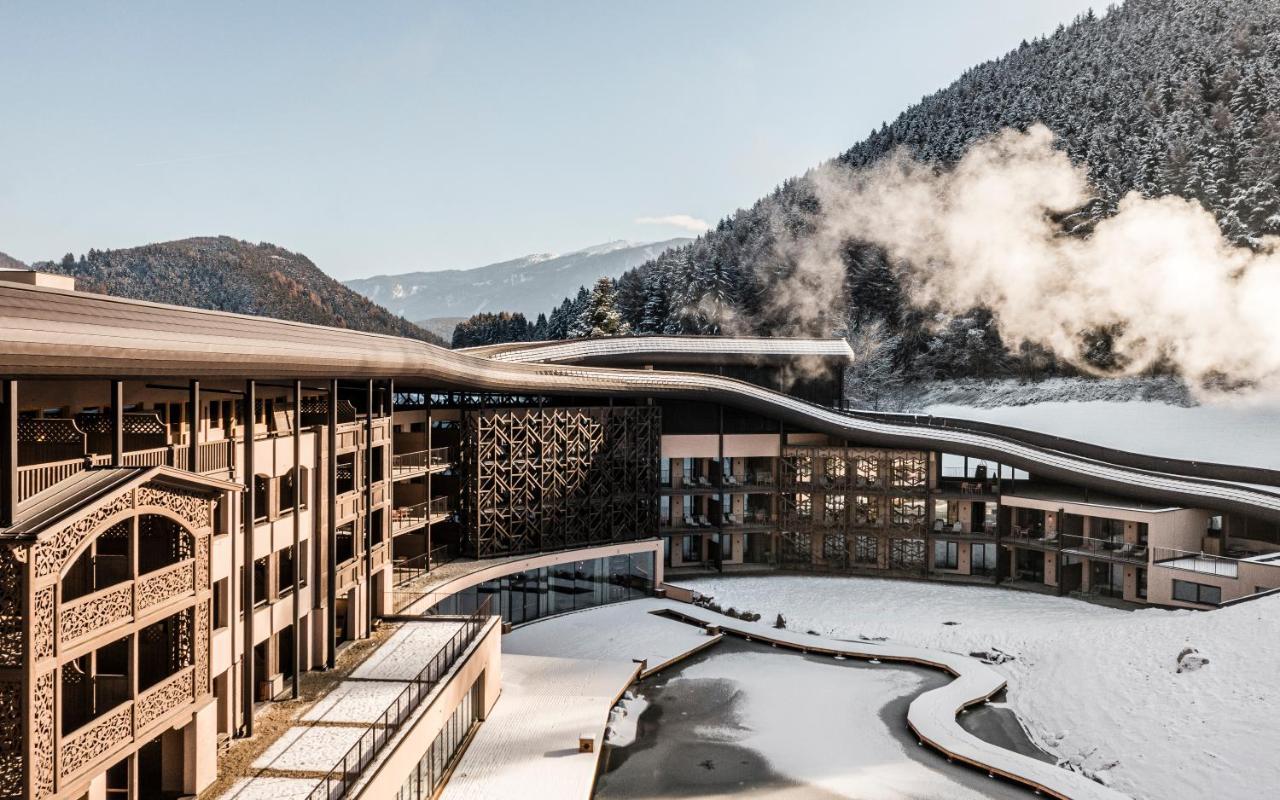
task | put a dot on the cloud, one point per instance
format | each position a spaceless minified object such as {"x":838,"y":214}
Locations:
{"x":1158,"y":272}
{"x":683,"y":221}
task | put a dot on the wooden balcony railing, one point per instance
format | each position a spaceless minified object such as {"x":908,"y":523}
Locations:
{"x":212,"y":457}
{"x":87,"y":615}
{"x":159,"y":587}
{"x":170,"y":694}
{"x":82,"y":747}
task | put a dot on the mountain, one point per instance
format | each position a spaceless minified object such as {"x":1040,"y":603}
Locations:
{"x":9,"y":262}
{"x":225,"y":274}
{"x":527,"y":285}
{"x":1165,"y":97}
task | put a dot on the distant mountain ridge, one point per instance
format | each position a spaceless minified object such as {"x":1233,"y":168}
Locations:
{"x":9,"y":262}
{"x":527,"y":285}
{"x":225,"y":274}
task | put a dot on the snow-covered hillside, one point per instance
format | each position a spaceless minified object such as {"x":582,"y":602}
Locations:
{"x":1099,"y":688}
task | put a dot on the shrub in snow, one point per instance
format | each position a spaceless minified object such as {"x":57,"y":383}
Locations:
{"x":780,"y":622}
{"x":1189,"y":660}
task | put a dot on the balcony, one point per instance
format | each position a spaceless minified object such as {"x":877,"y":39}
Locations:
{"x":1189,"y":561}
{"x":420,"y":462}
{"x":1112,"y":550}
{"x":120,"y":603}
{"x":407,"y":518}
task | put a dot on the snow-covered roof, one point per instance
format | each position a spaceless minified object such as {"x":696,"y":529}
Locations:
{"x":717,"y":349}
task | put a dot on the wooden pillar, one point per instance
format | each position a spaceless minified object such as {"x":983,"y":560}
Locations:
{"x":368,"y":510}
{"x":250,"y":423}
{"x":298,"y":566}
{"x":331,"y":578}
{"x":194,"y":419}
{"x":8,"y":452}
{"x":430,"y":479}
{"x":117,"y":423}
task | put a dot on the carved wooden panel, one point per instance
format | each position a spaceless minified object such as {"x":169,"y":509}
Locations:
{"x":203,"y":544}
{"x":42,"y":735}
{"x":202,"y":649}
{"x":51,"y":553}
{"x":83,"y":617}
{"x":169,"y":695}
{"x":42,"y":644}
{"x":12,"y":744}
{"x":87,"y":744}
{"x":11,"y":623}
{"x":157,"y":587}
{"x":192,"y":507}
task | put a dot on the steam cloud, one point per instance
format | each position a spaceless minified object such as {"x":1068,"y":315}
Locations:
{"x":983,"y":233}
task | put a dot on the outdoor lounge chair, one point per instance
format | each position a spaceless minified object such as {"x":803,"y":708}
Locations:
{"x":730,"y":519}
{"x":703,"y":521}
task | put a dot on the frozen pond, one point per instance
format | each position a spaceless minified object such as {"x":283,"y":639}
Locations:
{"x":746,"y":720}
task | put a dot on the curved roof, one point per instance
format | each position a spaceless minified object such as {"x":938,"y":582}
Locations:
{"x":667,"y":350}
{"x":52,"y":333}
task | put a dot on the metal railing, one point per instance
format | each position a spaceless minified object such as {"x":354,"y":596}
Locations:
{"x":348,"y":771}
{"x":407,"y":518}
{"x":1110,"y":548}
{"x":409,"y":569}
{"x":1190,"y":561}
{"x":420,"y":460}
{"x":439,"y":507}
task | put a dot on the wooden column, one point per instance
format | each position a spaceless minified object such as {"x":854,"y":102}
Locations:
{"x":368,"y":510}
{"x":298,"y":566}
{"x":331,"y":579}
{"x":194,"y":419}
{"x":250,"y":424}
{"x":8,"y":452}
{"x":117,"y":423}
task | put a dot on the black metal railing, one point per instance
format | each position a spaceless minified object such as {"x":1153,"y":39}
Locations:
{"x":348,"y":771}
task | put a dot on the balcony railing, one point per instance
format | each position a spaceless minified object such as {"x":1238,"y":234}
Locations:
{"x":420,"y":461}
{"x":1110,"y":549}
{"x":406,"y":518}
{"x":212,"y":457}
{"x":340,"y":780}
{"x":1189,"y":561}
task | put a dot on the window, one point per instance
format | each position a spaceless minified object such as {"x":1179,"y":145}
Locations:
{"x":664,"y":510}
{"x":804,"y":469}
{"x":726,"y":546}
{"x":946,"y":555}
{"x":285,"y":570}
{"x":1200,"y":593}
{"x":260,"y":510}
{"x":284,"y":494}
{"x":867,"y":471}
{"x":345,"y":550}
{"x":1141,"y":579}
{"x":906,"y":553}
{"x":260,"y":581}
{"x":834,"y":549}
{"x":833,"y":508}
{"x":804,"y":506}
{"x":866,"y":510}
{"x":906,"y":512}
{"x":220,"y":604}
{"x":376,"y":526}
{"x":665,"y":466}
{"x":835,"y":467}
{"x":907,"y":471}
{"x":691,"y":548}
{"x":982,"y":559}
{"x":379,"y":468}
{"x":346,"y":473}
{"x":866,"y":550}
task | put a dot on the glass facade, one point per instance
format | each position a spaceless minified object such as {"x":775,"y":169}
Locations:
{"x":537,"y":593}
{"x":445,"y":748}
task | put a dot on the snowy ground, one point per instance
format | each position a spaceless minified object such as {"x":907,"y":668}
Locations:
{"x":1248,"y":435}
{"x":616,"y":632}
{"x":1100,"y":688}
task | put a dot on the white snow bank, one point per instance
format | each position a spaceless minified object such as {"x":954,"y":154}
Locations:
{"x":1098,"y":687}
{"x":1248,"y":435}
{"x":624,"y":719}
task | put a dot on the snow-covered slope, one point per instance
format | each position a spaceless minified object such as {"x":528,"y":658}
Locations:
{"x":1099,"y":688}
{"x":1244,"y":434}
{"x":528,"y":285}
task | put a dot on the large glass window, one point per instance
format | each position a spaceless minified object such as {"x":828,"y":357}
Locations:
{"x":866,"y":550}
{"x":1201,"y":593}
{"x":982,"y":559}
{"x":946,"y":555}
{"x":445,"y":748}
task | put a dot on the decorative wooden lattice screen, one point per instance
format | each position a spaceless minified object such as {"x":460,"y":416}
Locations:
{"x":553,"y":478}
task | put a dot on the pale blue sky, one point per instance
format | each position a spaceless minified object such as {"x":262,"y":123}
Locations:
{"x":387,"y":137}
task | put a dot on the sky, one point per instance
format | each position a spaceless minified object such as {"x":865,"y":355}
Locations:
{"x":389,"y":137}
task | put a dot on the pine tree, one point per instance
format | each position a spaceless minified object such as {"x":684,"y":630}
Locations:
{"x":601,"y":317}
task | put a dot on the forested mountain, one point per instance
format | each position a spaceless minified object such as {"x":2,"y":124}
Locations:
{"x":524,"y":285}
{"x":226,"y":274}
{"x":1176,"y":97}
{"x":9,"y":262}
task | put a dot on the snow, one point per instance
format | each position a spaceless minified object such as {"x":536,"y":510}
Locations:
{"x":1098,"y":687}
{"x":271,"y":789}
{"x":528,"y":746}
{"x":624,"y":719}
{"x":774,"y":689}
{"x":1237,"y":433}
{"x":408,"y":650}
{"x":355,"y":701}
{"x":309,"y":749}
{"x":617,"y":632}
